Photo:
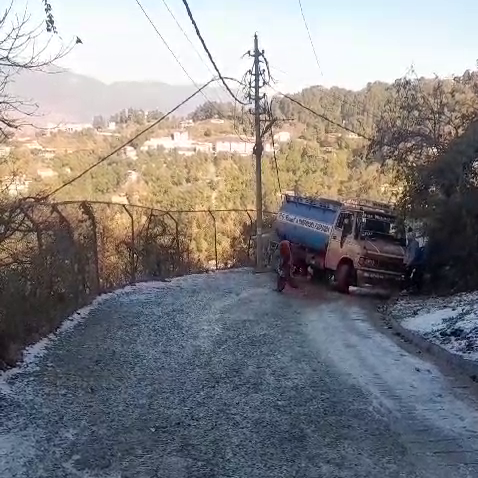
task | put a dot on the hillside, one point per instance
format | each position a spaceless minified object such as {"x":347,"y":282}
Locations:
{"x":68,"y":96}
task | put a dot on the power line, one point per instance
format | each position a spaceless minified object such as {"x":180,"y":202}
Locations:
{"x":343,"y":100}
{"x":129,"y":141}
{"x":310,"y":37}
{"x":187,"y":38}
{"x":211,"y":59}
{"x":219,"y":113}
{"x":164,"y":40}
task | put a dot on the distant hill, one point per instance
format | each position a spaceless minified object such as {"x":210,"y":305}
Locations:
{"x":68,"y":96}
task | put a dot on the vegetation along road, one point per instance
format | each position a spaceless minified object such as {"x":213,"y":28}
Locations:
{"x":219,"y":376}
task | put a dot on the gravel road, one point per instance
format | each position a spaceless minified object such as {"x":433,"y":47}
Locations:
{"x":219,"y":376}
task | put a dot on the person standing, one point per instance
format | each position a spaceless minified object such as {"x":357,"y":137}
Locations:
{"x":285,"y":266}
{"x":410,"y":257}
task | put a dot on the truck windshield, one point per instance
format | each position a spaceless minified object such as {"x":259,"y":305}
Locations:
{"x":380,"y":226}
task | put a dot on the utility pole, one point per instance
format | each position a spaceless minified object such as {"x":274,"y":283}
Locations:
{"x":258,"y":154}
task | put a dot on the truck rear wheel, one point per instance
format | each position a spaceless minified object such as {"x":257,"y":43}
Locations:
{"x":342,"y":277}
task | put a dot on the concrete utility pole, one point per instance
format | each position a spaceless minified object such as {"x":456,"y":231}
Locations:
{"x":258,"y":154}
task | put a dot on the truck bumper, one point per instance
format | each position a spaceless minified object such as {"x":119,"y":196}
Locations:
{"x":382,"y":279}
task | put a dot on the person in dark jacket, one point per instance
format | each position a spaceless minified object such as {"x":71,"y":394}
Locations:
{"x":413,"y":261}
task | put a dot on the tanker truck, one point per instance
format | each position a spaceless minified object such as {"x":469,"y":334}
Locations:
{"x":354,"y":243}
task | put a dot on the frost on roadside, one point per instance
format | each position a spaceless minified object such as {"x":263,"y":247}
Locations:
{"x":451,"y":322}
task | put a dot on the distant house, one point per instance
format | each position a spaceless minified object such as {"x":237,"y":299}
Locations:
{"x":33,"y":145}
{"x":132,"y":176}
{"x":178,"y":141}
{"x":216,"y":121}
{"x":5,"y":151}
{"x":111,"y":126}
{"x":203,"y":147}
{"x":69,"y":127}
{"x":186,"y":123}
{"x":233,"y":145}
{"x":130,"y":153}
{"x":120,"y":198}
{"x":46,"y":173}
{"x":48,"y":153}
{"x":282,"y":137}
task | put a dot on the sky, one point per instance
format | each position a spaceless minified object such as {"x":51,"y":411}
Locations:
{"x":356,"y":41}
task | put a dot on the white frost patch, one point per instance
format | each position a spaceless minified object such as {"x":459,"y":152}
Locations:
{"x":34,"y":352}
{"x":429,"y":321}
{"x":451,"y":322}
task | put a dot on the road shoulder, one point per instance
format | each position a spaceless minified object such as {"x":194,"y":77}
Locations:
{"x":444,"y":327}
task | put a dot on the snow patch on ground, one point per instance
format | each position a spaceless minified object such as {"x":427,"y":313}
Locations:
{"x":451,"y":322}
{"x":33,"y":353}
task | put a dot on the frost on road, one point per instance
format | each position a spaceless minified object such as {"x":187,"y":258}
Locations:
{"x":220,"y":376}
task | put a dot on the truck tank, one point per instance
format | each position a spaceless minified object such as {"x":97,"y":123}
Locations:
{"x":307,"y":221}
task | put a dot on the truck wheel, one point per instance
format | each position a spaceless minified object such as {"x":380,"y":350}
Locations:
{"x":342,"y":276}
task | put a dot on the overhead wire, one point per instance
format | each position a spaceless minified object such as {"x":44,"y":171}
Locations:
{"x":206,"y":49}
{"x":310,"y":37}
{"x":217,"y":110}
{"x":178,"y":61}
{"x":187,"y":38}
{"x":343,"y":100}
{"x":129,"y":141}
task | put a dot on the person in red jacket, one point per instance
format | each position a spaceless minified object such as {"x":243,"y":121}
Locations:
{"x":285,"y":266}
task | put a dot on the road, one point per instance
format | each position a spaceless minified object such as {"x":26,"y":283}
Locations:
{"x":220,"y":376}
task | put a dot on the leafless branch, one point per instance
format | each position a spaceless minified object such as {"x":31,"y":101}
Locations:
{"x":24,"y":46}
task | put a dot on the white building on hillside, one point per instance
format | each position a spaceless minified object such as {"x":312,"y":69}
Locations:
{"x":69,"y":127}
{"x":46,"y":173}
{"x":179,"y":141}
{"x":130,"y":153}
{"x":233,"y":145}
{"x":282,"y":137}
{"x":5,"y":151}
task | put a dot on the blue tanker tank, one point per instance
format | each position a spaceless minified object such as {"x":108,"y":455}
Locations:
{"x":307,"y":221}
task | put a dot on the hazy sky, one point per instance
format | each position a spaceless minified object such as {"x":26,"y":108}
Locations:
{"x":356,"y":40}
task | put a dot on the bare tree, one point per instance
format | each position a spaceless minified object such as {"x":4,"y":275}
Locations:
{"x":429,"y":131}
{"x":24,"y":45}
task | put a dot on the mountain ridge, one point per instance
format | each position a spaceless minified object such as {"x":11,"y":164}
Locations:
{"x":66,"y":96}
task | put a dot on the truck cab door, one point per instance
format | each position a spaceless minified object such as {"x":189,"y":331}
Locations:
{"x":341,"y":231}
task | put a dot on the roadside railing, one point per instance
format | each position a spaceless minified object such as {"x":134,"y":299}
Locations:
{"x":55,"y":258}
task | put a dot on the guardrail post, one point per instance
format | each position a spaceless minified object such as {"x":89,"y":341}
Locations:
{"x":178,"y":252}
{"x":133,"y":247}
{"x":215,"y":237}
{"x":250,"y":235}
{"x":88,"y":211}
